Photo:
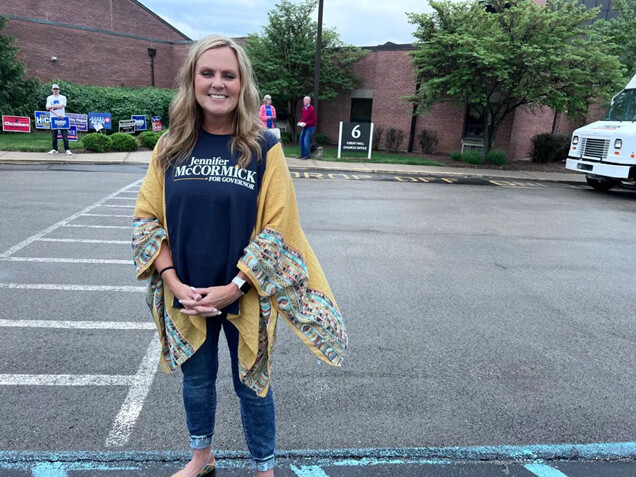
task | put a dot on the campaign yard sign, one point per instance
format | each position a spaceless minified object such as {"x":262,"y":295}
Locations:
{"x":79,"y":121}
{"x":140,"y":121}
{"x":127,"y":126}
{"x":98,"y":121}
{"x":355,"y":137}
{"x":16,"y":124}
{"x":156,"y":124}
{"x":60,"y":123}
{"x":71,"y":135}
{"x":42,"y":120}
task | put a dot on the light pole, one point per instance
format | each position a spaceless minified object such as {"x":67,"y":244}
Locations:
{"x":318,"y":51}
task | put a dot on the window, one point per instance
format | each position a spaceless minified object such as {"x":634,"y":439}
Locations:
{"x":361,"y":110}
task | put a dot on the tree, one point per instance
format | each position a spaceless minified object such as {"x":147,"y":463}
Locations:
{"x":511,"y":53}
{"x":17,"y":95}
{"x":619,"y":34}
{"x":283,"y":58}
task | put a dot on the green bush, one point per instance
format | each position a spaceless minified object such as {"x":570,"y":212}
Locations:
{"x":285,"y":137}
{"x":497,"y":157}
{"x":149,"y":139}
{"x":394,"y":139}
{"x":428,"y":141}
{"x":321,"y":138}
{"x":456,"y":155}
{"x":378,"y":131}
{"x":472,"y":157}
{"x":123,"y":142}
{"x":549,"y":147}
{"x":97,"y":142}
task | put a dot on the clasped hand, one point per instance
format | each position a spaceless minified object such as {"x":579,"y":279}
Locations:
{"x":206,"y":301}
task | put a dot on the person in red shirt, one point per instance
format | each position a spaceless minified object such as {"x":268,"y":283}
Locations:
{"x":308,"y":122}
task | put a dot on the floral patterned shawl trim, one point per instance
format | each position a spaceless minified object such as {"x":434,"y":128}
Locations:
{"x":148,"y":234}
{"x":280,"y":273}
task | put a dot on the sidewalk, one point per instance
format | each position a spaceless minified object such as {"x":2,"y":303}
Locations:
{"x":143,"y":157}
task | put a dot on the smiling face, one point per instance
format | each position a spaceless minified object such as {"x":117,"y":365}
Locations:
{"x":217,"y":86}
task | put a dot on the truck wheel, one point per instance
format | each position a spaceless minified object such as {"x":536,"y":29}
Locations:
{"x":600,"y":185}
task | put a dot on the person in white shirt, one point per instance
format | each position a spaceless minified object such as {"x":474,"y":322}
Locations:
{"x":56,"y":103}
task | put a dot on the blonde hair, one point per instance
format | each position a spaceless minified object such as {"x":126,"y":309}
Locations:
{"x":186,"y":115}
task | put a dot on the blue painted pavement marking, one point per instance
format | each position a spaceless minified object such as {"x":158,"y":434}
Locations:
{"x":58,"y":464}
{"x":308,"y":471}
{"x":543,"y":470}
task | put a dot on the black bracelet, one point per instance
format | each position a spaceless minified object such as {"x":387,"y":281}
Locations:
{"x":167,"y":268}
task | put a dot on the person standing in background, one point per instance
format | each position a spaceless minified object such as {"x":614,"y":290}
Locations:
{"x":267,"y":113}
{"x":56,"y":103}
{"x":308,"y":122}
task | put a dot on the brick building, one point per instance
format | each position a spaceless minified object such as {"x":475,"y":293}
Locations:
{"x":105,"y":43}
{"x":122,"y":43}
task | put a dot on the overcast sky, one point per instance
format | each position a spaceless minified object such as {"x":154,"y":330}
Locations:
{"x":359,"y":22}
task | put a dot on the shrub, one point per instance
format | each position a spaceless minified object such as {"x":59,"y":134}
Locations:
{"x":428,"y":141}
{"x":472,"y":157}
{"x":378,"y":131}
{"x":285,"y":136}
{"x":456,"y":155}
{"x":394,"y":139}
{"x":149,"y":139}
{"x":97,"y":142}
{"x":124,"y":142}
{"x":549,"y":147}
{"x":497,"y":157}
{"x":321,"y":139}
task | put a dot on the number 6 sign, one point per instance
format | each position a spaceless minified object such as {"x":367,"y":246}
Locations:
{"x":356,"y":137}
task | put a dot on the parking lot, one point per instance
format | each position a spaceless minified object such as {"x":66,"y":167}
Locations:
{"x":79,"y":379}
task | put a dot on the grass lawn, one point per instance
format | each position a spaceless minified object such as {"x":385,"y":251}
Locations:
{"x":330,"y":153}
{"x":35,"y":141}
{"x":40,"y":141}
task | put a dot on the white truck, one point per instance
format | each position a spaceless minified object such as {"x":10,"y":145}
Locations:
{"x":606,"y":150}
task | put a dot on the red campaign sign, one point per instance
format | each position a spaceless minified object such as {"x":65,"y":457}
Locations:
{"x":16,"y":124}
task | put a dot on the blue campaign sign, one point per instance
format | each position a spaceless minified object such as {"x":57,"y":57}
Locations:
{"x":71,"y":135}
{"x":60,"y":123}
{"x":140,"y":122}
{"x":80,"y":121}
{"x":99,"y":121}
{"x":42,"y":120}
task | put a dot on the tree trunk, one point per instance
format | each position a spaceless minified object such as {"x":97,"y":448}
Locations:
{"x":291,"y":115}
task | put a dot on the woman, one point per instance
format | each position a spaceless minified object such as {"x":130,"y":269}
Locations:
{"x":267,"y":113}
{"x":217,"y":236}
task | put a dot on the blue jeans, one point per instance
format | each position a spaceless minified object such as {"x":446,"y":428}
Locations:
{"x":305,"y":141}
{"x":199,"y":397}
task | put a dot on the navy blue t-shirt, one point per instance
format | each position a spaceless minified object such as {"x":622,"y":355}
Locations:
{"x":211,"y":207}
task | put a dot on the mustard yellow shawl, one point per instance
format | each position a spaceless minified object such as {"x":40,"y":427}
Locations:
{"x":287,"y":278}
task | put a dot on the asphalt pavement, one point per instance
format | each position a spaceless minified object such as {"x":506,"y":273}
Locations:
{"x":143,"y":157}
{"x":572,"y":460}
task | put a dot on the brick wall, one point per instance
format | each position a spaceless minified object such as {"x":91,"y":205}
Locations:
{"x":122,"y":16}
{"x":94,"y":57}
{"x":389,"y":74}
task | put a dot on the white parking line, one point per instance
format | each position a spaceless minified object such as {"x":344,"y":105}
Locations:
{"x":123,"y":198}
{"x":130,"y":410}
{"x":41,"y":234}
{"x":64,"y":240}
{"x":108,"y":215}
{"x":129,"y":227}
{"x":55,"y":286}
{"x":67,"y":260}
{"x":78,"y":325}
{"x":67,"y":380}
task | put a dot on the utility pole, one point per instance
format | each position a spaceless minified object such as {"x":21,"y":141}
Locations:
{"x":314,"y":100}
